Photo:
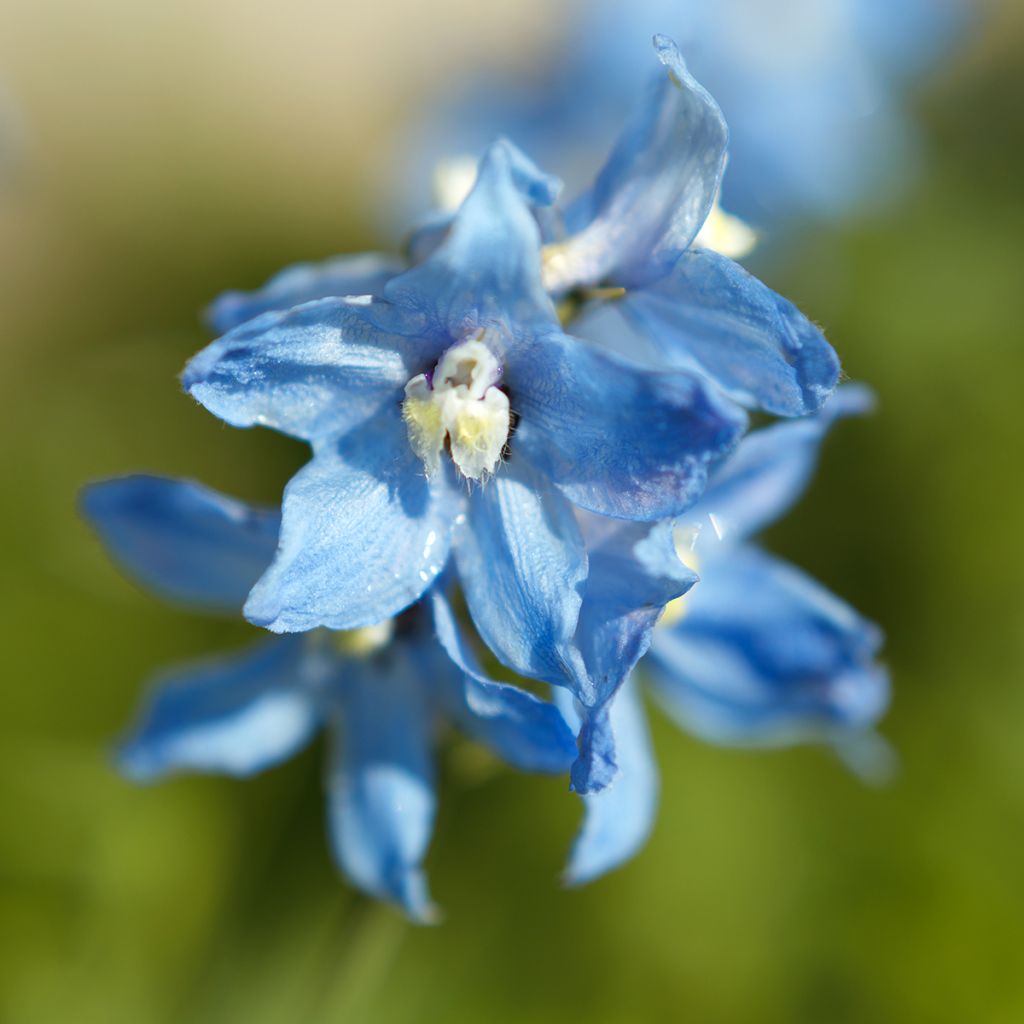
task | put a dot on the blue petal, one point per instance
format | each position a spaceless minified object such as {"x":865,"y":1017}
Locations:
{"x":618,"y":440}
{"x":487,"y":270}
{"x":595,"y":766}
{"x":314,"y":371}
{"x":529,"y":733}
{"x":362,"y":274}
{"x":380,"y":787}
{"x":234,"y":715}
{"x":769,"y":472}
{"x":364,"y":534}
{"x":182,"y":540}
{"x":618,"y":820}
{"x":655,"y":191}
{"x":634,"y":572}
{"x":766,"y":656}
{"x":708,"y":314}
{"x":522,"y":564}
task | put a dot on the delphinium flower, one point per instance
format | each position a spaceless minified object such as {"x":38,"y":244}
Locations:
{"x":812,"y":90}
{"x":379,"y":692}
{"x":447,"y":407}
{"x":455,"y":412}
{"x":524,"y":412}
{"x":757,"y":654}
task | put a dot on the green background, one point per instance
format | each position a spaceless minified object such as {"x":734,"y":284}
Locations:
{"x":776,"y":887}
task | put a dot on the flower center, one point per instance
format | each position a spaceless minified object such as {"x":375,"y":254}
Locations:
{"x":459,"y":402}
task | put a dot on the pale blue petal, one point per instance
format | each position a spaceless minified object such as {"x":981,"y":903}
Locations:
{"x":380,"y":786}
{"x":362,"y":274}
{"x":655,"y":191}
{"x":181,"y":540}
{"x":618,"y":440}
{"x":634,"y":572}
{"x":595,"y":766}
{"x":618,"y":820}
{"x":766,"y":656}
{"x":708,"y":314}
{"x":487,"y":270}
{"x":234,"y":715}
{"x":364,"y":534}
{"x":522,"y":564}
{"x":528,"y":733}
{"x":314,"y":371}
{"x":768,"y":473}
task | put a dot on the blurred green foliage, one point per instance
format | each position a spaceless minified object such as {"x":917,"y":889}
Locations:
{"x":776,"y":889}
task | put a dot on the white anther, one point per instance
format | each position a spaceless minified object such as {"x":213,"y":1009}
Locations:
{"x":725,"y":234}
{"x":453,"y":180}
{"x":463,"y":404}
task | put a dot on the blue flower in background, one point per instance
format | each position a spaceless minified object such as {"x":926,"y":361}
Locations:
{"x":811,"y":90}
{"x":452,"y":413}
{"x":757,"y":654}
{"x":378,"y":692}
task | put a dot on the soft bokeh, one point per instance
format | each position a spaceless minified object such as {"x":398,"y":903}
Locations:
{"x":165,"y":152}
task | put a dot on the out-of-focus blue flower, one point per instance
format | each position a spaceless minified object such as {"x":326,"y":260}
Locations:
{"x":811,"y":90}
{"x":464,"y":356}
{"x":757,"y":654}
{"x":378,"y":692}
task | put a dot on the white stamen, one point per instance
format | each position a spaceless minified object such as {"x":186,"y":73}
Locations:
{"x":453,"y":179}
{"x":725,"y":234}
{"x":464,"y":405}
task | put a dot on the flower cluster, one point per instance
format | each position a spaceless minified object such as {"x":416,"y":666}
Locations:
{"x":528,"y":460}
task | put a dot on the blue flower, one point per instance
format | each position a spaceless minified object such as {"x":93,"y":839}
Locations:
{"x":451,"y":413}
{"x":377,"y":692}
{"x":757,"y":654}
{"x":628,"y":265}
{"x":811,"y":90}
{"x":637,"y":229}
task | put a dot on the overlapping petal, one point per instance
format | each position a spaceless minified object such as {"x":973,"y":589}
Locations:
{"x":361,"y":274}
{"x":234,"y":715}
{"x":364,"y":533}
{"x":764,"y":655}
{"x":314,"y":371}
{"x":528,"y":733}
{"x":634,"y":572}
{"x":380,"y":784}
{"x":487,"y":269}
{"x":618,"y":819}
{"x":617,"y":440}
{"x":708,"y":314}
{"x":182,"y":540}
{"x":655,"y":191}
{"x":522,"y":564}
{"x":769,"y":472}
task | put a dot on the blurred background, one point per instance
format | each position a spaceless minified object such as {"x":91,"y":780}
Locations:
{"x":152,"y":155}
